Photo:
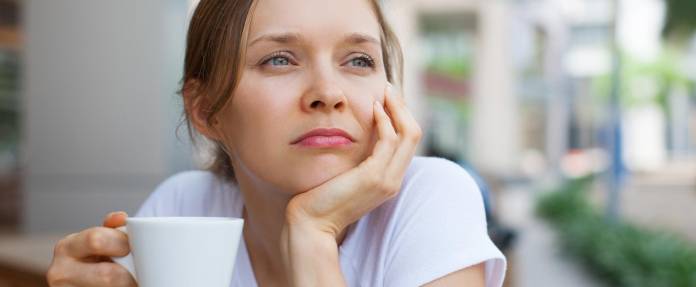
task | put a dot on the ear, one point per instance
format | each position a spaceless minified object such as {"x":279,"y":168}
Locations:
{"x":197,"y":107}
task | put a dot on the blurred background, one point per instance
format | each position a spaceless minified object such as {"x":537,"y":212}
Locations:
{"x":578,"y":118}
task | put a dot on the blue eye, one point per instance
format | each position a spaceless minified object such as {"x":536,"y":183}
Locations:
{"x":278,"y":61}
{"x":280,"y":58}
{"x":363,"y":62}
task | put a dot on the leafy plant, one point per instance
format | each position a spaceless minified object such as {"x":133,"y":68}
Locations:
{"x":618,"y":253}
{"x":665,"y":71}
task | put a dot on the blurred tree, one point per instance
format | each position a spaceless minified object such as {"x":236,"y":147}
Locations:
{"x":680,"y":21}
{"x":665,"y":70}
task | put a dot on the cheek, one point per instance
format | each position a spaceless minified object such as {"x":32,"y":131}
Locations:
{"x":253,"y":128}
{"x":362,"y":100}
{"x":260,"y":107}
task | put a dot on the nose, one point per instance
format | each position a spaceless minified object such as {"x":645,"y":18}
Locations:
{"x":324,"y":95}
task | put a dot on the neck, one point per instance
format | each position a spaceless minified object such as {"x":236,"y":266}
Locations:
{"x":264,"y":216}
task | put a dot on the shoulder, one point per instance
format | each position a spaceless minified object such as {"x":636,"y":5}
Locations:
{"x":436,"y":220}
{"x":185,"y":193}
{"x":434,"y":192}
{"x":186,"y":179}
{"x":436,"y":168}
{"x":440,"y":180}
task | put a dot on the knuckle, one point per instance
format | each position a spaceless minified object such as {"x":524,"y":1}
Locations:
{"x":417,"y":133}
{"x":96,"y":241}
{"x":412,"y":139}
{"x":389,"y":193}
{"x":383,"y":186}
{"x":413,"y":133}
{"x":391,"y":190}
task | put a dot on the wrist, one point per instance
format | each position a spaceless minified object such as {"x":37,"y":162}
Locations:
{"x":298,"y":219}
{"x":309,"y":256}
{"x":306,"y":236}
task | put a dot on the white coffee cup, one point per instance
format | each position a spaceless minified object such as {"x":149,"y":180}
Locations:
{"x":182,"y":251}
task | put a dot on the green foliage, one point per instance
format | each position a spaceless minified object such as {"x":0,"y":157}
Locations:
{"x":620,"y":254}
{"x":454,"y":67}
{"x":665,"y":71}
{"x":680,"y":20}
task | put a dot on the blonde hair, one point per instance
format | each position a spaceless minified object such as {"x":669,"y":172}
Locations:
{"x":218,"y":29}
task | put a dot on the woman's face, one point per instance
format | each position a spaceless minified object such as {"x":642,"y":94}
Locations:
{"x":309,"y":64}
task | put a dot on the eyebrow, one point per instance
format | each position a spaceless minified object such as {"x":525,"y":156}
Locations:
{"x":359,"y":38}
{"x":282,"y":38}
{"x":285,"y":38}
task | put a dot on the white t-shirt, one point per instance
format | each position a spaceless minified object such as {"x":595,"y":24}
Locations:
{"x":435,"y":226}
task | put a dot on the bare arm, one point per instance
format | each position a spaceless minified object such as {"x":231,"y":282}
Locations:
{"x":473,"y":276}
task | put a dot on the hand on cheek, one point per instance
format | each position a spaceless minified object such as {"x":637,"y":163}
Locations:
{"x":342,"y":200}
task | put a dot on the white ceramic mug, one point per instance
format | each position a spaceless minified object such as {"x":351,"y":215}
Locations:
{"x":182,"y":251}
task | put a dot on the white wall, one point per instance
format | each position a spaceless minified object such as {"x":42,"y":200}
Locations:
{"x":494,"y":136}
{"x":99,"y":107}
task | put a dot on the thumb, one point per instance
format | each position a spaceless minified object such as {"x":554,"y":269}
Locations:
{"x":115,"y":219}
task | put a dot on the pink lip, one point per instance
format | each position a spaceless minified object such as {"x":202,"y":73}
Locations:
{"x":324,"y":138}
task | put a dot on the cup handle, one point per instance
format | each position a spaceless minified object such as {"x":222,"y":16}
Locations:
{"x":125,"y":261}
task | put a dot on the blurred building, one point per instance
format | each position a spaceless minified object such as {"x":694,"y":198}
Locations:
{"x":504,"y":84}
{"x":458,"y":78}
{"x":516,"y":86}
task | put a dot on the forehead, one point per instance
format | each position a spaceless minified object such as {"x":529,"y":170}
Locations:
{"x":314,"y":20}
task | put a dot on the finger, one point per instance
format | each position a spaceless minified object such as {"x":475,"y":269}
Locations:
{"x":97,"y":241}
{"x":97,"y":274}
{"x":395,"y":108}
{"x":400,"y":162}
{"x":115,"y":219}
{"x":386,"y":138}
{"x":405,"y":124}
{"x":409,"y":135}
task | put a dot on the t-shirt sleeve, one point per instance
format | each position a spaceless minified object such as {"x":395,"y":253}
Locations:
{"x":162,"y":200}
{"x":192,"y":193}
{"x":183,"y":194}
{"x":439,"y":228}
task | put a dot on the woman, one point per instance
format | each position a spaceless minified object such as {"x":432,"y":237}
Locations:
{"x":314,"y":148}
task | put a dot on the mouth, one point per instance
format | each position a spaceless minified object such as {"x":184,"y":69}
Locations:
{"x":324,"y":138}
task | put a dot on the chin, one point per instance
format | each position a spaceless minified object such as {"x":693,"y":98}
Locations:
{"x":313,"y":172}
